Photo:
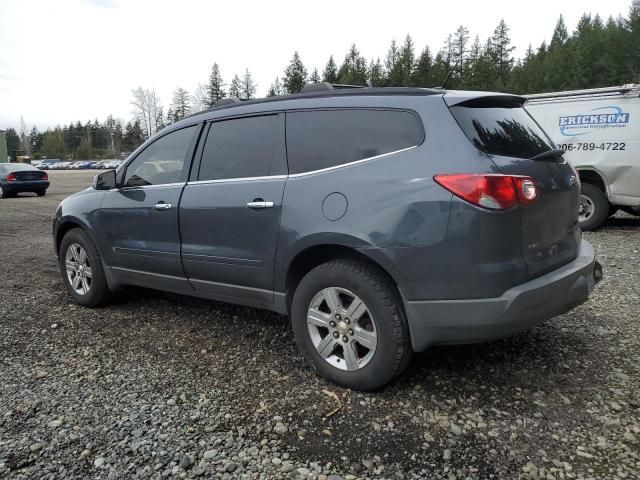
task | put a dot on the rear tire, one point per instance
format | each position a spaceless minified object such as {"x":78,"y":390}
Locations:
{"x":594,"y":207}
{"x":42,"y":192}
{"x":81,"y":269}
{"x":379,"y":323}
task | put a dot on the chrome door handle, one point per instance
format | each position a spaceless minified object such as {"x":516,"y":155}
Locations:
{"x":261,"y":204}
{"x":162,"y":206}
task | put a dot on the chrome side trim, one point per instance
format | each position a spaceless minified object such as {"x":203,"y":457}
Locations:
{"x":303,"y":174}
{"x":242,"y":179}
{"x":148,"y":187}
{"x":355,"y":162}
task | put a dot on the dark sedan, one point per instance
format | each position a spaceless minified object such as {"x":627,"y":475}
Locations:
{"x":21,"y":177}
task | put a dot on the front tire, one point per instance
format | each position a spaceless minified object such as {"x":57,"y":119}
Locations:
{"x":349,"y":324}
{"x":81,"y":269}
{"x":594,"y":207}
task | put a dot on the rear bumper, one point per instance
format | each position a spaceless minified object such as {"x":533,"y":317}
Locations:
{"x":25,"y":186}
{"x":519,"y":308}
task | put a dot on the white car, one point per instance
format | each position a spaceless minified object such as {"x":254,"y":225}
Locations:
{"x":599,"y":132}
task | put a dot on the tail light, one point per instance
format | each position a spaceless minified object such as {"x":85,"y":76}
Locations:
{"x":493,"y":191}
{"x":45,"y":176}
{"x":10,"y":178}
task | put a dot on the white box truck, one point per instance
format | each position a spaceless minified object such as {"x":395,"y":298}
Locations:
{"x":599,"y":131}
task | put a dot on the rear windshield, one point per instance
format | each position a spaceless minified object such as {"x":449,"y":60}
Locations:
{"x":15,"y":167}
{"x":506,"y":131}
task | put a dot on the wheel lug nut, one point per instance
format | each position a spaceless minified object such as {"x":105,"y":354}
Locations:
{"x":350,"y":332}
{"x":337,"y":316}
{"x":345,"y":339}
{"x":336,"y":334}
{"x":347,"y":320}
{"x":332,"y":323}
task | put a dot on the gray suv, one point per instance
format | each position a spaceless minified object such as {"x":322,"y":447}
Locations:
{"x":380,"y":220}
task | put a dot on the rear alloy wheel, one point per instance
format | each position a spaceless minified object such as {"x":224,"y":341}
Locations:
{"x":342,"y":329}
{"x":349,"y":323}
{"x":594,"y":207}
{"x":81,"y":269}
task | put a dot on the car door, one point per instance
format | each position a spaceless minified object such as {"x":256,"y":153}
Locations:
{"x":139,"y":219}
{"x":230,"y":211}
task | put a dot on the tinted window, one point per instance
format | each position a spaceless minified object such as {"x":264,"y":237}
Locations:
{"x":162,"y":161}
{"x":502,"y":131}
{"x":325,"y":138}
{"x":239,"y":148}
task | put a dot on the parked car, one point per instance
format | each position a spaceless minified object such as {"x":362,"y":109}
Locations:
{"x":385,"y":221}
{"x":21,"y":177}
{"x":599,"y":131}
{"x":84,"y":165}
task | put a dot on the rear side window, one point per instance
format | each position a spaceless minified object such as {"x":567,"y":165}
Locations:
{"x":318,"y":139}
{"x":508,"y":131}
{"x":239,"y":148}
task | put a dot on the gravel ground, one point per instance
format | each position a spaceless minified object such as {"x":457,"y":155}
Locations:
{"x":158,"y":385}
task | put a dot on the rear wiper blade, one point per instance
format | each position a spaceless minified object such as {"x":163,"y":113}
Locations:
{"x":549,"y":155}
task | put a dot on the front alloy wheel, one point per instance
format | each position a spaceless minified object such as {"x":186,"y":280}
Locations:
{"x":342,"y":329}
{"x":78,"y":269}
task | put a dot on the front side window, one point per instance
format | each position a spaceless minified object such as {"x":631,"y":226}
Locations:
{"x":318,"y":139}
{"x":161,"y":162}
{"x":239,"y":148}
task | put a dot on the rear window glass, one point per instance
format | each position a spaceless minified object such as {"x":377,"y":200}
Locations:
{"x":16,"y":167}
{"x":320,"y":139}
{"x":510,"y":132}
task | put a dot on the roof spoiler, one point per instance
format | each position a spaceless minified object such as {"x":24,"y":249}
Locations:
{"x":483,"y":100}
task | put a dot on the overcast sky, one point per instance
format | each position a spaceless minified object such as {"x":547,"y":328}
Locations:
{"x":68,"y":60}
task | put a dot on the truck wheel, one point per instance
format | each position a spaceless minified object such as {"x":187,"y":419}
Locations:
{"x":349,"y":323}
{"x":594,"y":207}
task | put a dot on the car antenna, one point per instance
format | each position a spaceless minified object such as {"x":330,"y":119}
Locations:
{"x":449,"y":74}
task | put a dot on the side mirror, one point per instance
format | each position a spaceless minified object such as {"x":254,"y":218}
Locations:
{"x":105,"y":180}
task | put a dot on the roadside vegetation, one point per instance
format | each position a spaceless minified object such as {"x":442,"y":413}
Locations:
{"x":598,"y":53}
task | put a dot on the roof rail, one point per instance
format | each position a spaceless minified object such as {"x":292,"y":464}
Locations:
{"x":324,"y":86}
{"x":623,"y":89}
{"x":227,"y":101}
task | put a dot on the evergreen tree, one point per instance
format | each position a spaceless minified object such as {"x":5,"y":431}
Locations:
{"x":560,"y":34}
{"x":633,"y":43}
{"x":133,"y":135}
{"x":295,"y":75}
{"x":376,"y":73}
{"x":215,"y":87}
{"x":315,"y":76}
{"x":330,"y":73}
{"x":181,"y":104}
{"x":501,"y":50}
{"x":353,"y":70}
{"x":391,"y":65}
{"x":13,"y":142}
{"x":35,"y":139}
{"x":459,"y":46}
{"x":422,"y":74}
{"x":84,"y":152}
{"x":275,"y":89}
{"x":235,"y":90}
{"x":53,"y":144}
{"x":248,"y":89}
